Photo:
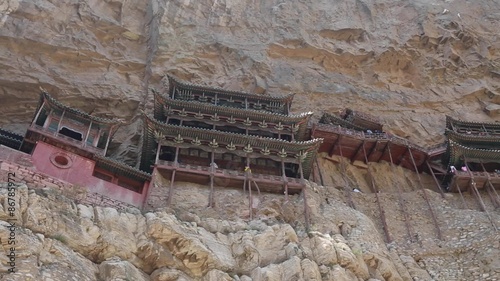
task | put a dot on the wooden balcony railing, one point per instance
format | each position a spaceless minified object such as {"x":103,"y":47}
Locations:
{"x":66,"y":139}
{"x":225,"y":173}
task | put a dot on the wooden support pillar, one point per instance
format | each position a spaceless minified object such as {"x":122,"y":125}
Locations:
{"x":172,"y":178}
{"x":285,"y":179}
{"x":96,"y":139}
{"x":343,"y":173}
{"x":38,"y":113}
{"x":491,"y":189}
{"x":472,"y":185}
{"x":486,"y":187}
{"x":380,"y":208}
{"x":371,"y":151}
{"x":435,"y":179}
{"x":478,"y":195}
{"x":60,"y":120}
{"x":402,"y":205}
{"x":49,"y":118}
{"x":319,"y":172}
{"x":87,"y":134}
{"x":383,"y":152}
{"x":425,"y":195}
{"x":212,"y":173}
{"x":246,"y":103}
{"x":337,"y":141}
{"x":361,"y":147}
{"x":108,"y":140}
{"x":247,"y":181}
{"x":306,"y":208}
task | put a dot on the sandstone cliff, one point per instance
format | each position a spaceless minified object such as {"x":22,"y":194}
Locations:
{"x":410,"y":62}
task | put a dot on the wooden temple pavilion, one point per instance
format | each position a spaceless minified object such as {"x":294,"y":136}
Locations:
{"x":63,"y":126}
{"x":475,"y":146}
{"x":71,"y":145}
{"x":218,"y":137}
{"x":354,"y":141}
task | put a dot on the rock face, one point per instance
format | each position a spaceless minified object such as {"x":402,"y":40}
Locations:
{"x":409,"y":62}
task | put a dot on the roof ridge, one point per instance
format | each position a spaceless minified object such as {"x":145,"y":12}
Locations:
{"x":46,"y":96}
{"x":300,"y":115}
{"x":215,"y":88}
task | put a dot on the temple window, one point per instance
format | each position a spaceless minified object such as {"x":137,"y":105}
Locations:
{"x":71,"y":133}
{"x":102,"y":176}
{"x":174,"y":121}
{"x":167,"y":153}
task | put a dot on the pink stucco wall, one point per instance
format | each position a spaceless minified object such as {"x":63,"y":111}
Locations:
{"x":79,"y":171}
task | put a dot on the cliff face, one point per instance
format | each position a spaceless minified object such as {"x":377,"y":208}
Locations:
{"x":408,"y":62}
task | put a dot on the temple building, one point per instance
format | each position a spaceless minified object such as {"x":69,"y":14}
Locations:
{"x":218,"y":137}
{"x":71,"y":145}
{"x":473,"y":154}
{"x":359,"y":137}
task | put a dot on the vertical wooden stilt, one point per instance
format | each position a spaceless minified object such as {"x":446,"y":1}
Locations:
{"x":285,"y":179}
{"x":491,"y":189}
{"x":319,"y":171}
{"x":478,"y":195}
{"x":402,"y":205}
{"x":212,"y":173}
{"x":248,"y":177}
{"x":343,"y":173}
{"x":435,"y":179}
{"x":425,"y":195}
{"x":171,"y":189}
{"x":306,"y":208}
{"x":376,"y":192}
{"x":172,"y":178}
{"x":38,"y":113}
{"x":87,"y":135}
{"x":60,"y":120}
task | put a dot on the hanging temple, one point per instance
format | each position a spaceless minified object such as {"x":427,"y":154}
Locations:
{"x":222,"y":138}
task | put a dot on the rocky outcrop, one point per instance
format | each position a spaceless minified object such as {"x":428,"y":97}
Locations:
{"x":58,"y":239}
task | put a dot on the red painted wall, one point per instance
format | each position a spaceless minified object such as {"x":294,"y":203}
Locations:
{"x":79,"y":171}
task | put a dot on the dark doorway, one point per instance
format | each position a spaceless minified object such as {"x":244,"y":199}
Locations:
{"x":70,"y":133}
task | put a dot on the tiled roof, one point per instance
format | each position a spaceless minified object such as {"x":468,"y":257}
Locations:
{"x":55,"y":103}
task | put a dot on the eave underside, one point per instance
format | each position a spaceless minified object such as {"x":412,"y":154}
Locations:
{"x":376,"y":147}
